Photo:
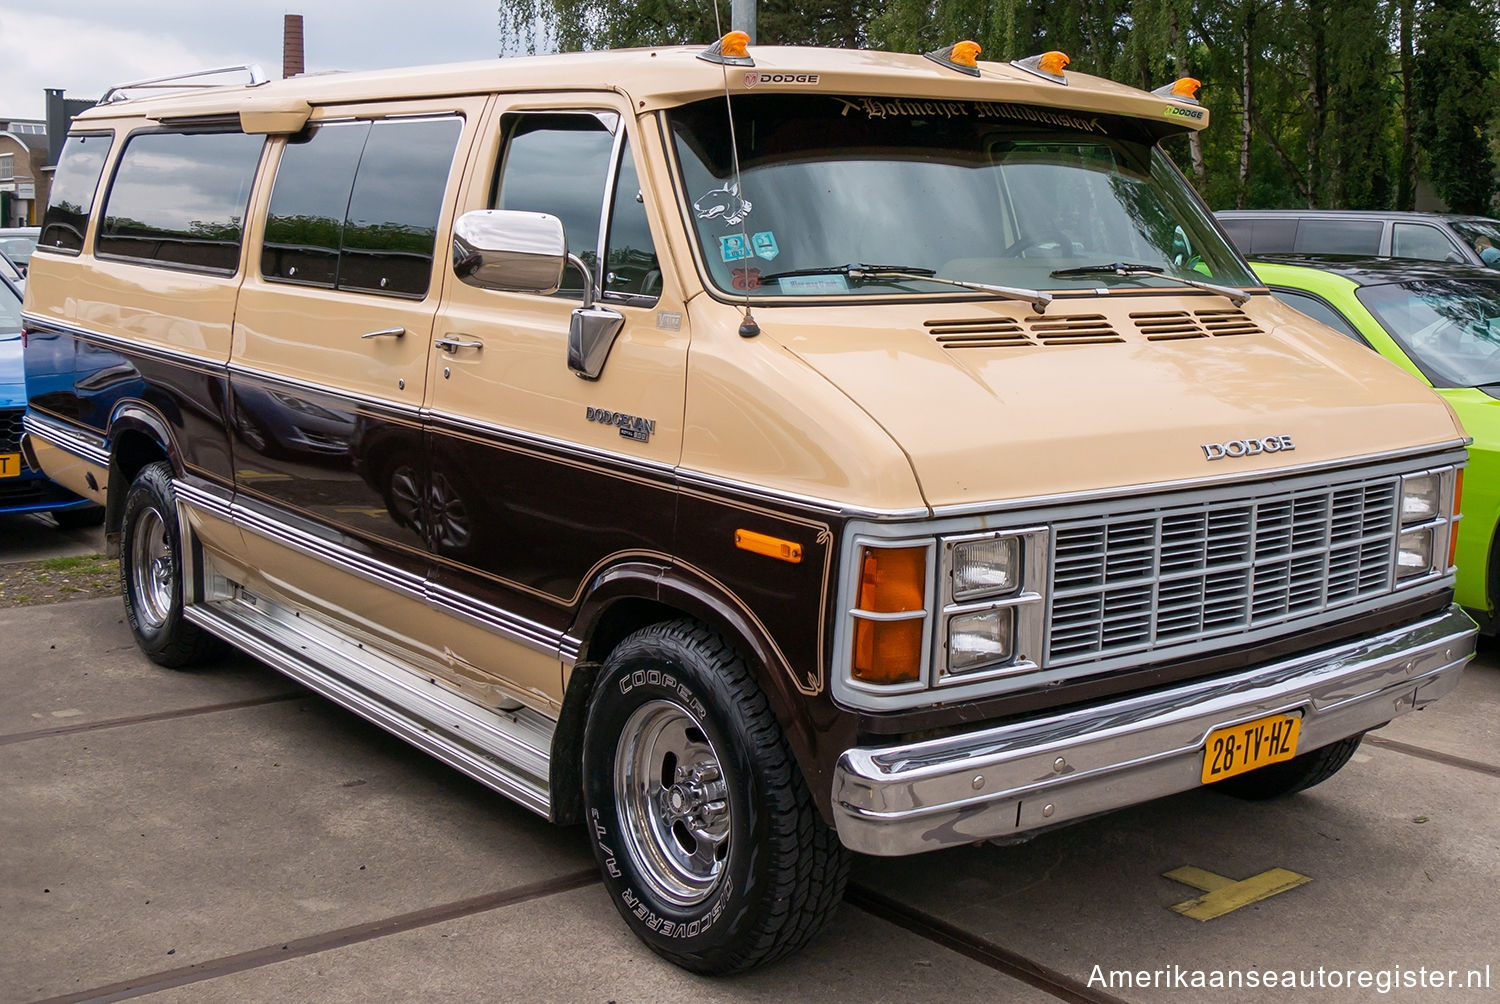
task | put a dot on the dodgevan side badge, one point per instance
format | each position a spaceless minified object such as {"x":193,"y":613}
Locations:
{"x":1248,"y":447}
{"x":630,"y":426}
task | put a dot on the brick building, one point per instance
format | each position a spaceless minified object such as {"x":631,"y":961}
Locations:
{"x":29,"y":149}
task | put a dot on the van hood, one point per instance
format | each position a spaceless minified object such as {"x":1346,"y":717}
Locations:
{"x":992,"y":402}
{"x":12,"y":373}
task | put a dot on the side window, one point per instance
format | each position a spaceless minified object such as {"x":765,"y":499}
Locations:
{"x":1418,"y":240}
{"x":1319,"y":310}
{"x":179,"y":199}
{"x":355,"y":205}
{"x":1239,"y":234}
{"x":1339,"y":236}
{"x":630,"y":265}
{"x":73,"y":186}
{"x":305,"y":223}
{"x":1273,"y":236}
{"x":558,"y":164}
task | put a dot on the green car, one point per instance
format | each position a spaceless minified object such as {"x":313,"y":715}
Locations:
{"x":1441,"y":323}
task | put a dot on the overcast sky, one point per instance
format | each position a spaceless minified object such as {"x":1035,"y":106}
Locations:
{"x":87,"y":46}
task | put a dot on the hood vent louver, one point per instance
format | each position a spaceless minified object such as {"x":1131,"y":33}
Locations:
{"x":981,"y":333}
{"x":1172,"y":325}
{"x":1074,"y":329}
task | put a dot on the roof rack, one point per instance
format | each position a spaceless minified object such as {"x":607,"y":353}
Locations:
{"x":256,"y":75}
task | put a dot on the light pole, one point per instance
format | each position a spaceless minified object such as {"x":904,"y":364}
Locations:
{"x":742,"y":17}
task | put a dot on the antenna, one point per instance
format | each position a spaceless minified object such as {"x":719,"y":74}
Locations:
{"x":748,"y":327}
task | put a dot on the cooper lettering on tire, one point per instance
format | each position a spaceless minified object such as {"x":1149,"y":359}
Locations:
{"x":706,"y":836}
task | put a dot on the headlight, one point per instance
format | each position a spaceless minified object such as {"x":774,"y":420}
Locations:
{"x":986,"y":567}
{"x":979,"y":639}
{"x":1414,"y":553}
{"x":1421,"y":498}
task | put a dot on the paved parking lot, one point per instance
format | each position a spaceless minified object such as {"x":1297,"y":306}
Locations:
{"x":225,"y":835}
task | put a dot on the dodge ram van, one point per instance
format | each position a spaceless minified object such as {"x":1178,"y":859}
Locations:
{"x":753,"y":455}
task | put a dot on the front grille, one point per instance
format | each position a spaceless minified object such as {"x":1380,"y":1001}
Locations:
{"x":10,"y":430}
{"x":1142,"y":579}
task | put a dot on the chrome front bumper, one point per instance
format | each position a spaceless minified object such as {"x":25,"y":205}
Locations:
{"x":1039,"y":772}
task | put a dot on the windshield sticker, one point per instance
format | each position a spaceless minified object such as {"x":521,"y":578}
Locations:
{"x":879,"y":108}
{"x":723,"y":204}
{"x":746,"y":279}
{"x":734,"y":247}
{"x":764,"y":244}
{"x":813,"y":285}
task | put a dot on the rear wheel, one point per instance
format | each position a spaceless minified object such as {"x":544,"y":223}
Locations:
{"x":151,"y":574}
{"x":707,"y":837}
{"x":1297,"y":774}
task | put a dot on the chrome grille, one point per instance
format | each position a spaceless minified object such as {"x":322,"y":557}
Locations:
{"x":1141,"y":579}
{"x":10,"y":429}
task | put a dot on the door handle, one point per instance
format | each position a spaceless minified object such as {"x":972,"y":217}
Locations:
{"x":385,"y":333}
{"x":453,"y":342}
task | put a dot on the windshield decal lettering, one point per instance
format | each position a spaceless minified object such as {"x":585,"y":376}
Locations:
{"x":879,"y":108}
{"x":723,"y":204}
{"x":765,"y":245}
{"x":813,"y":285}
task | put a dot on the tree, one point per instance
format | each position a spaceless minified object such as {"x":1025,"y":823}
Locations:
{"x":1456,"y":59}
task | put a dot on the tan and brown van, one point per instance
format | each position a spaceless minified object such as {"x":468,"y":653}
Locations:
{"x":753,"y":456}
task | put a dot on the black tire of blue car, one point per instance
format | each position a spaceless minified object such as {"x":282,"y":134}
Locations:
{"x":151,"y":574}
{"x":85,"y":518}
{"x":707,"y":838}
{"x":1297,"y":774}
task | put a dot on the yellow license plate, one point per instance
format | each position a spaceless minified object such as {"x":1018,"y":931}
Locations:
{"x":1239,"y":748}
{"x":10,"y":465}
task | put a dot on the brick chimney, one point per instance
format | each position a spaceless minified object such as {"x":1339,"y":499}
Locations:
{"x":291,"y":45}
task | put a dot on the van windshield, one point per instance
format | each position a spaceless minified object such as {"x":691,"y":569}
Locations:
{"x":975,"y":191}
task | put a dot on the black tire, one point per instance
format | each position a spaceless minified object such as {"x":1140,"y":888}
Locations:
{"x":1297,"y":774}
{"x":747,"y":871}
{"x":85,"y":518}
{"x":151,"y":574}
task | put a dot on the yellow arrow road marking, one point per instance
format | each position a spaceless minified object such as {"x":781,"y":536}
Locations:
{"x":1225,"y":895}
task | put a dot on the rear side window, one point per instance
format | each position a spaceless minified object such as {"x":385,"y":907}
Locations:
{"x":1273,"y":236}
{"x":73,"y":187}
{"x":1418,"y":240}
{"x":179,"y":199}
{"x":356,"y":205}
{"x":1339,"y":236}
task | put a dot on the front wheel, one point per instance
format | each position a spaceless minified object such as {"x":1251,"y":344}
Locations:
{"x":707,"y":837}
{"x":151,"y":574}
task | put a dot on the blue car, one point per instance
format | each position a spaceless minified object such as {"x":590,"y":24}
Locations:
{"x":21,"y":488}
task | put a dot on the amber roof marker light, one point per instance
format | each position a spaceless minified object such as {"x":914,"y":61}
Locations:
{"x":731,"y":50}
{"x":1182,"y":89}
{"x":1048,"y":66}
{"x":961,"y":56}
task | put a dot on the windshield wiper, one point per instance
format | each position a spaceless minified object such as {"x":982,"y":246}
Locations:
{"x":875,"y":273}
{"x":1236,"y":296}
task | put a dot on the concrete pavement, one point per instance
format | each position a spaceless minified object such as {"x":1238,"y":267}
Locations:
{"x":224,"y":835}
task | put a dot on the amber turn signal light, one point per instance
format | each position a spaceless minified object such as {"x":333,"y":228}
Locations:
{"x":893,"y":580}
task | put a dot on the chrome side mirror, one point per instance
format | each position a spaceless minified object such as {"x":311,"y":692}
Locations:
{"x":510,"y":251}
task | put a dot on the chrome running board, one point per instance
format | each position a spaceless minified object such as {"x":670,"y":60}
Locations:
{"x":509,"y":751}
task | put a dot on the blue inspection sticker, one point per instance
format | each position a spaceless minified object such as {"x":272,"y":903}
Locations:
{"x":734,"y":247}
{"x":765,"y":245}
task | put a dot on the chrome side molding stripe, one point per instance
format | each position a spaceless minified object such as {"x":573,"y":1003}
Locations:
{"x":68,"y":438}
{"x":511,"y":626}
{"x":126,"y":346}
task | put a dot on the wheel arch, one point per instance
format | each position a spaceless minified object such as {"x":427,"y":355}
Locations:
{"x":633,"y":595}
{"x":138,"y":435}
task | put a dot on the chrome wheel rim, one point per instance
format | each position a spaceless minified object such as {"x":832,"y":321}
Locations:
{"x":669,"y":785}
{"x":406,"y":497}
{"x":151,"y":574}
